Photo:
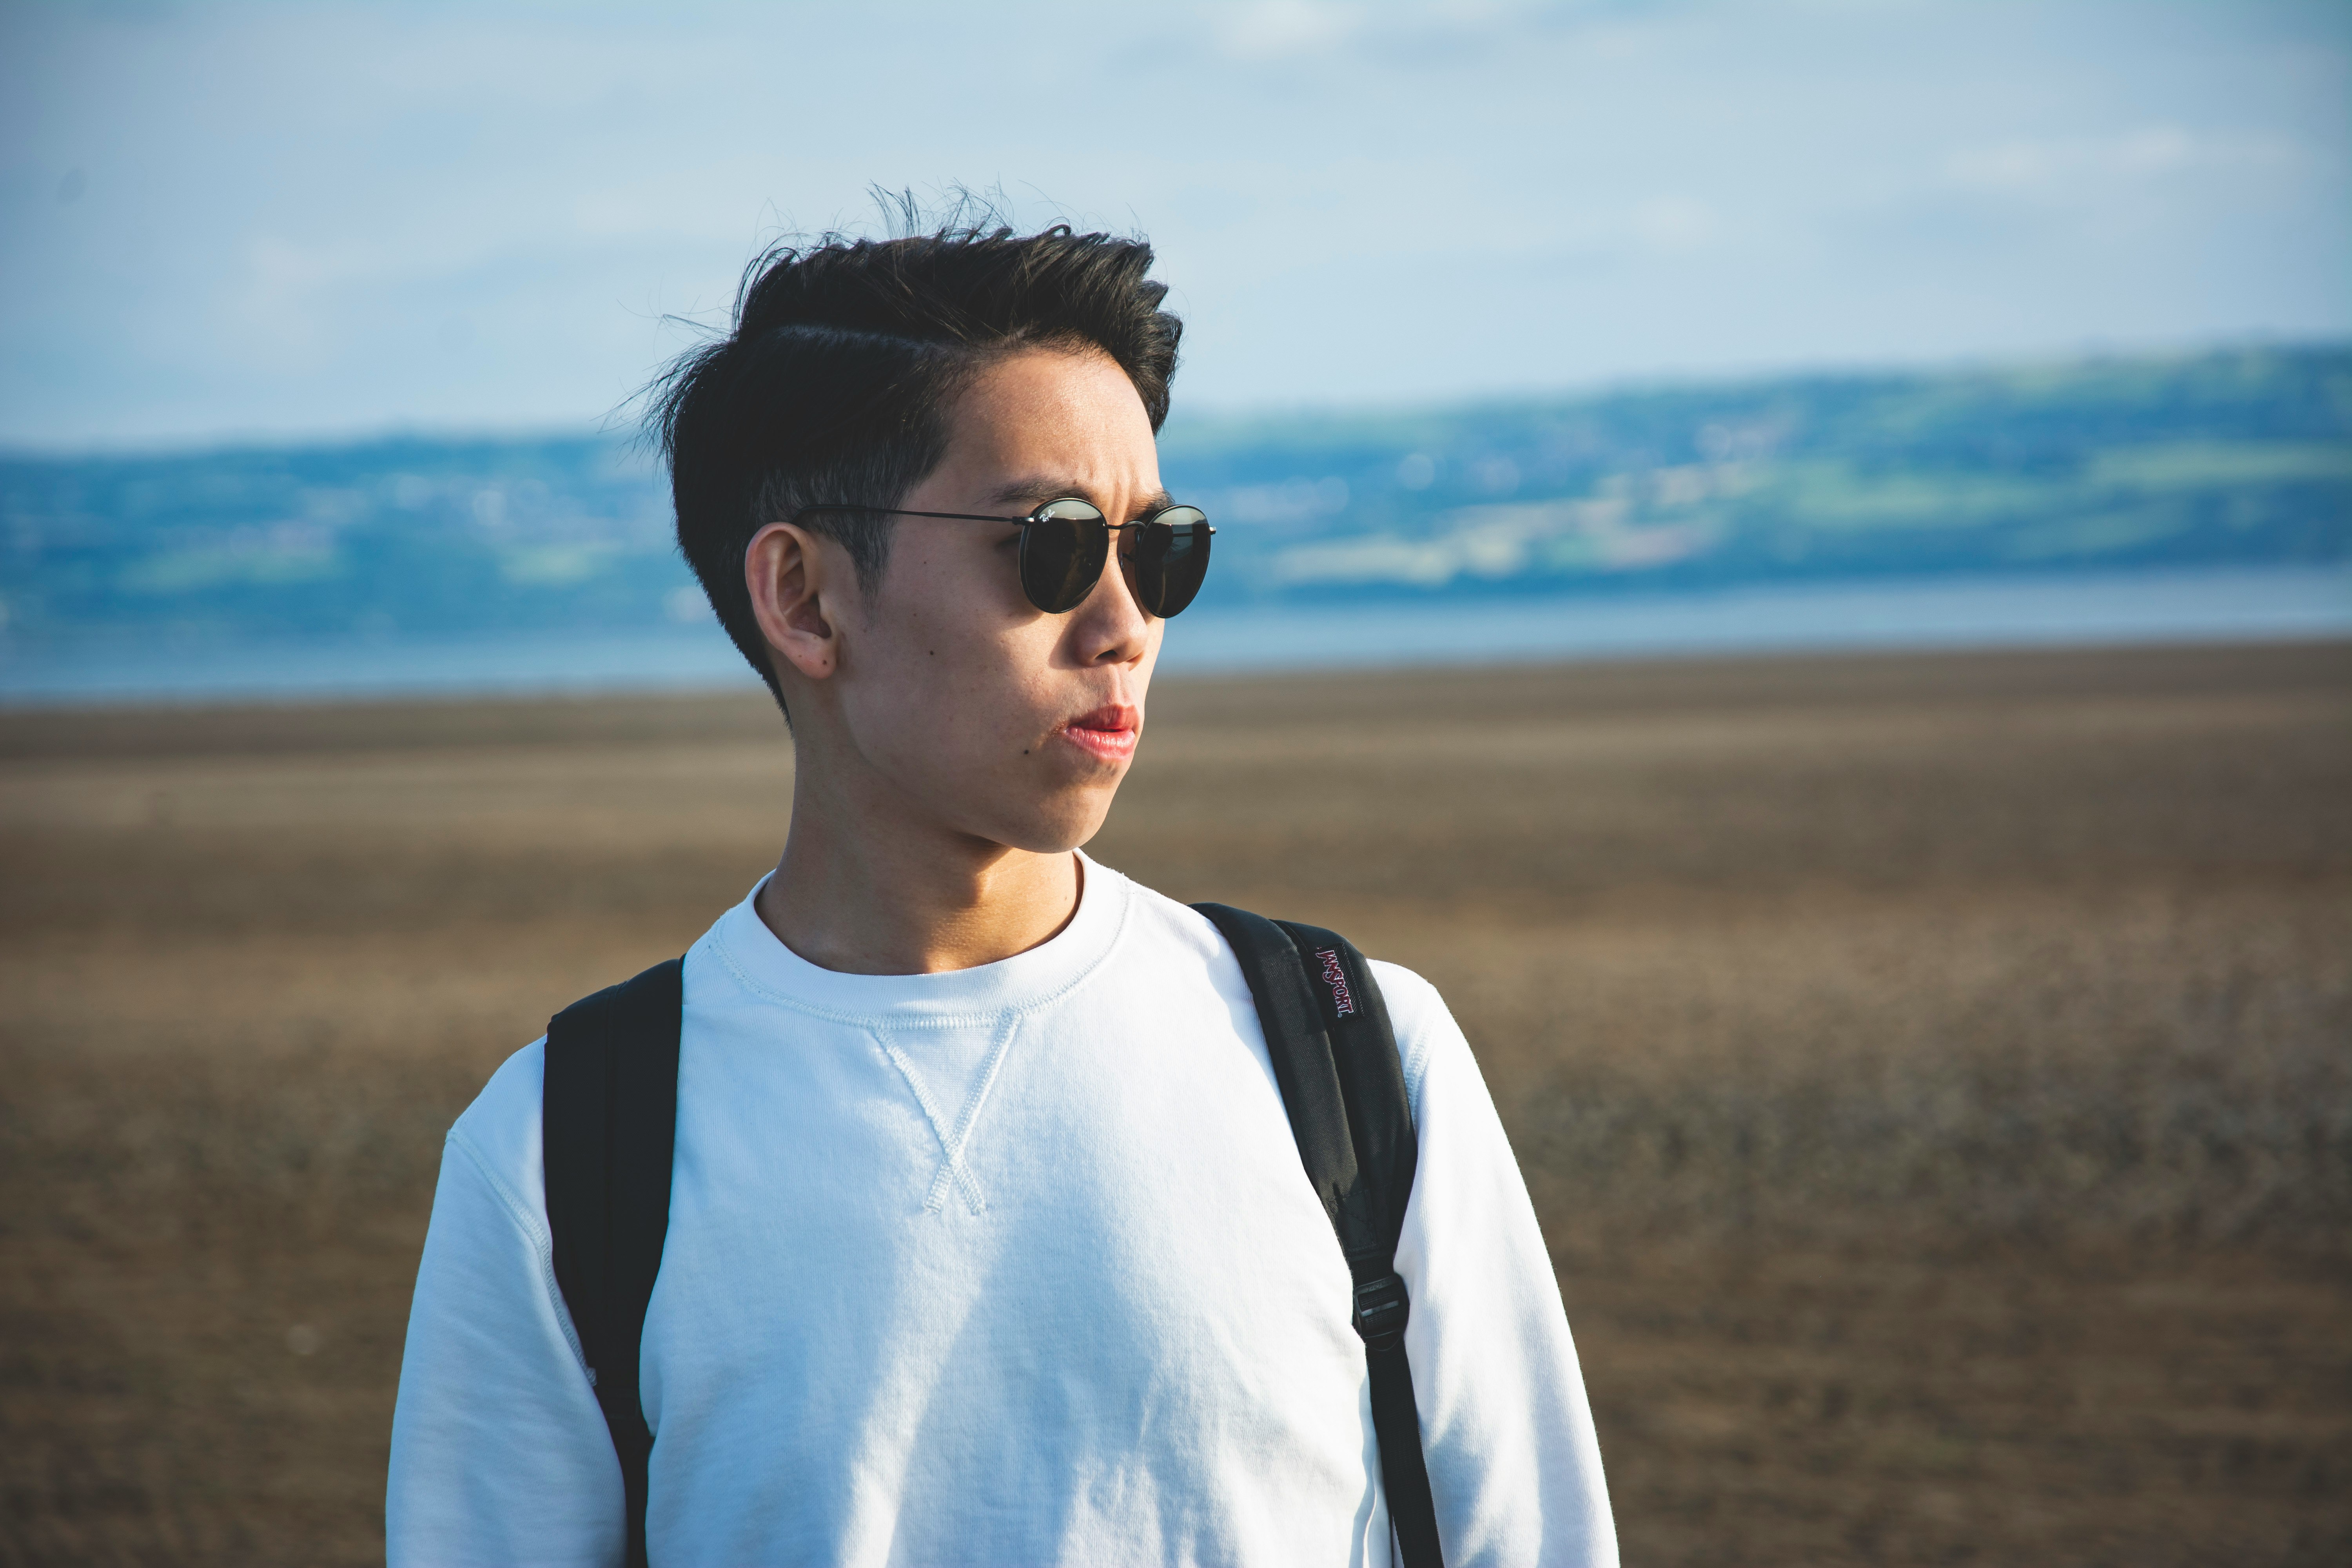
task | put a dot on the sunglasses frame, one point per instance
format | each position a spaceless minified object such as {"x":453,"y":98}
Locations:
{"x":1037,"y":518}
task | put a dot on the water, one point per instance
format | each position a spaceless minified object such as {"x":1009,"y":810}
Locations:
{"x":2265,"y":604}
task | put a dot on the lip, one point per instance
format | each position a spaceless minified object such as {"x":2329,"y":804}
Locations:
{"x":1110,"y":731}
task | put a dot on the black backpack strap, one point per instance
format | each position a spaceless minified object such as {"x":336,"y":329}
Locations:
{"x":1335,"y":1060}
{"x":609,"y":1120}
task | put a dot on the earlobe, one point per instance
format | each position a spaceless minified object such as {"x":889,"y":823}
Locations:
{"x":789,"y":572}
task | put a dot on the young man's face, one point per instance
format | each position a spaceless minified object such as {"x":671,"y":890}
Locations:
{"x":978,"y":711}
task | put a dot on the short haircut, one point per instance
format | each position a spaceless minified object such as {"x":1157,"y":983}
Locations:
{"x":834,"y":385}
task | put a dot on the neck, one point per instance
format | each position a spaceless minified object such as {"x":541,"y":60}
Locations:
{"x":863,"y":896}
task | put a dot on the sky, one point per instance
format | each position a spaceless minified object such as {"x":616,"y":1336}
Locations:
{"x":256,"y":221}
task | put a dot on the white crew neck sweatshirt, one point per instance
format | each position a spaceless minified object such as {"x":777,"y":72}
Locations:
{"x":1009,"y":1265}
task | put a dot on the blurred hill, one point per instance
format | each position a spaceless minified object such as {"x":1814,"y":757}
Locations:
{"x":2236,"y":458}
{"x":2239,"y":457}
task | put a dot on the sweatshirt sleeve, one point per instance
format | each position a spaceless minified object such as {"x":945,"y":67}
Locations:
{"x":1514,"y":1465}
{"x":500,"y":1454}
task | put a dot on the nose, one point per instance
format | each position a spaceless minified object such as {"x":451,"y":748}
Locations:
{"x":1108,"y":627}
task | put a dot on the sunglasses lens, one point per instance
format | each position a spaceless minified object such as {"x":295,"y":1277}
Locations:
{"x":1166,"y":559}
{"x":1062,"y":553}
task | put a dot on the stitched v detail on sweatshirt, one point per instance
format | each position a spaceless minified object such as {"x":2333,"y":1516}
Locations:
{"x":956,"y":1136}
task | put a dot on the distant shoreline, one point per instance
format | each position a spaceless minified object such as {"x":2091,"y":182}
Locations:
{"x":2246,"y":605}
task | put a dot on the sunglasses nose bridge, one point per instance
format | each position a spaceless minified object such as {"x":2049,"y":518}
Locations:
{"x":1118,"y":565}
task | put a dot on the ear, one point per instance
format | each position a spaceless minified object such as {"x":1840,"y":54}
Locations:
{"x":794,"y":575}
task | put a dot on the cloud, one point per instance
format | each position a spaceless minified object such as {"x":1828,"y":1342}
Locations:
{"x":2048,"y":166}
{"x":1410,"y":36}
{"x":1673,"y":224}
{"x":1273,"y":30}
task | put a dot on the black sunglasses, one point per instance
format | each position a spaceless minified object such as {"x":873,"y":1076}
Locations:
{"x":1064,"y":543}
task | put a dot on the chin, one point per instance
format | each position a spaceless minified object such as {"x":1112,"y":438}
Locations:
{"x":1058,"y":833}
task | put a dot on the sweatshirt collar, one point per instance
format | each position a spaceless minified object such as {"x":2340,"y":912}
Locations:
{"x":749,"y":951}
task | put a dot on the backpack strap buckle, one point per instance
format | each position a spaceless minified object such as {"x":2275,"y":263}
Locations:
{"x":1381,"y":1310}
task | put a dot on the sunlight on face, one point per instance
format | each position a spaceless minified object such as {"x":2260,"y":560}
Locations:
{"x":988,"y":716}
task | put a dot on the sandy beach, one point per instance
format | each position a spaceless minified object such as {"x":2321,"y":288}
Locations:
{"x":1934,"y":1073}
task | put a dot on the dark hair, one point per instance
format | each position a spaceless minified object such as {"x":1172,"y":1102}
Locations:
{"x":834,"y":384}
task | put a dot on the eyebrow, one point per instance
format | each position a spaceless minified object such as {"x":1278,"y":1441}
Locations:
{"x":1038,"y":489}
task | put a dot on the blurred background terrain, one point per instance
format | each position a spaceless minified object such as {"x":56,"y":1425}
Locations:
{"x":1931,"y":1071}
{"x":1795,"y":558}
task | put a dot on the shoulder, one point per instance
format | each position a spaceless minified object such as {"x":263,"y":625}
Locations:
{"x":1426,"y":1035}
{"x":1177,"y":943}
{"x":499,"y":1132}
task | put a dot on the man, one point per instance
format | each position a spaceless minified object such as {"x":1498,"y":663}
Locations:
{"x":988,"y":1240}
